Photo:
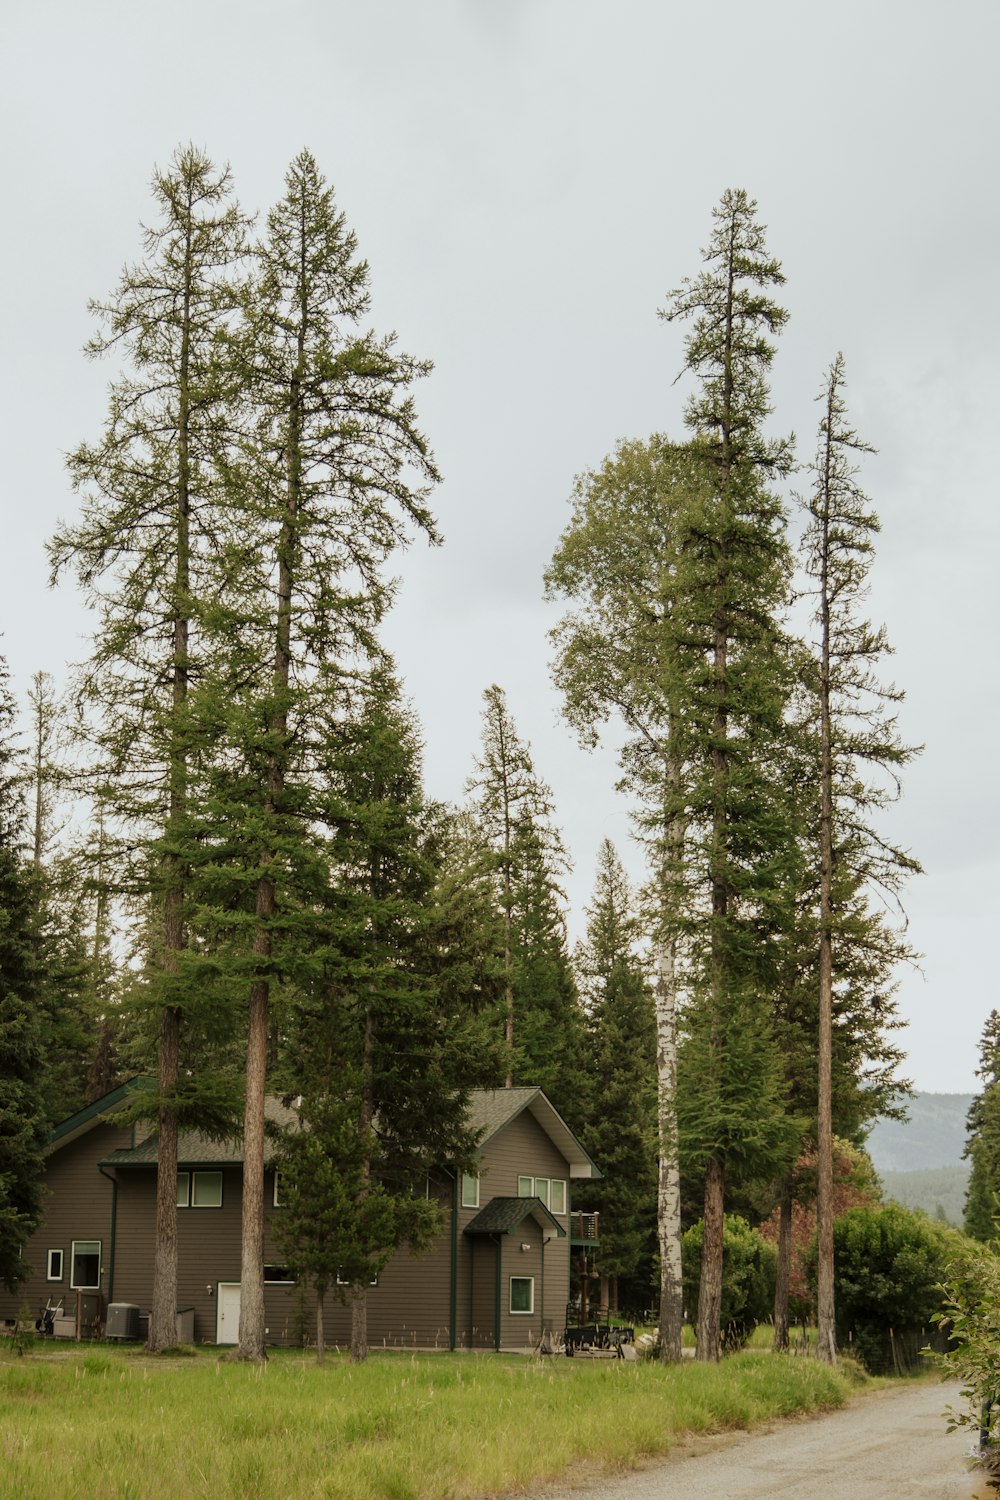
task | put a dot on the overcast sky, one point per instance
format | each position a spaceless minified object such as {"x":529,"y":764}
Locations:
{"x":528,"y":179}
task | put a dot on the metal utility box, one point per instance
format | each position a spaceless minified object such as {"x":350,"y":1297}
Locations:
{"x":185,"y":1325}
{"x":123,"y":1321}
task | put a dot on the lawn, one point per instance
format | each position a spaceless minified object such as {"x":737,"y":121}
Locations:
{"x":103,"y":1424}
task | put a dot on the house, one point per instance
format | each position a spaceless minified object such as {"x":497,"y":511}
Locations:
{"x":495,"y":1278}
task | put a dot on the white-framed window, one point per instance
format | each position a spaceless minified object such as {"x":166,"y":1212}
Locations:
{"x":551,"y":1190}
{"x":276,"y":1199}
{"x":342,"y":1282}
{"x":470,"y":1190}
{"x":278,"y":1276}
{"x":522,"y":1294}
{"x":199,"y":1189}
{"x":55,"y":1270}
{"x":85,"y":1265}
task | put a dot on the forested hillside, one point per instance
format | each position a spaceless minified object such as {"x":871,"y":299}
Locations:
{"x":932,"y":1136}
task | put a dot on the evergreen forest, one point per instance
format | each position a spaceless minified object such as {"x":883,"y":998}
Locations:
{"x":221,"y":871}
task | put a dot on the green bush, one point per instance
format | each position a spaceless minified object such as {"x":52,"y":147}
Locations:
{"x":890,"y":1263}
{"x":748,"y":1269}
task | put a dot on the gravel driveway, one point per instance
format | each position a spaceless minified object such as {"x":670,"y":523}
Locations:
{"x":886,"y":1445}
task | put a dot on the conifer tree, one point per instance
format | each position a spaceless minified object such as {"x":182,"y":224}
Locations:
{"x":983,"y":1143}
{"x":513,"y":811}
{"x":858,"y":743}
{"x":384,"y":1049}
{"x":145,"y":550}
{"x":329,"y":476}
{"x":734,"y":582}
{"x":621,"y":1126}
{"x":22,"y":1118}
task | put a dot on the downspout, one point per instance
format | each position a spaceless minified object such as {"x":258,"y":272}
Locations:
{"x":543,"y":1284}
{"x":497,"y":1242}
{"x":114,"y":1224}
{"x":453,"y":1297}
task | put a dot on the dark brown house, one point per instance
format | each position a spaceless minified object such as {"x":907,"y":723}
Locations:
{"x":495,"y":1278}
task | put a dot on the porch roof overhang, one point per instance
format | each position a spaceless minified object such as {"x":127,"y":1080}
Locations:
{"x":506,"y":1215}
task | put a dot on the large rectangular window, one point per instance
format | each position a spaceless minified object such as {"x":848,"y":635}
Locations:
{"x":470,"y":1190}
{"x":199,"y":1189}
{"x":86,"y":1265}
{"x":551,"y":1190}
{"x":522,"y":1294}
{"x":55,"y":1271}
{"x":278,"y":1276}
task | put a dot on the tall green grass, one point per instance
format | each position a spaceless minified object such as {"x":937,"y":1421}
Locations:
{"x":109,"y":1426}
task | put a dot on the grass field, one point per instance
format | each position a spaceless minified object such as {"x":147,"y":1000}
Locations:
{"x":101,"y":1424}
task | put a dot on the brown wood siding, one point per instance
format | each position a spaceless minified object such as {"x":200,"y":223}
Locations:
{"x":521,"y":1149}
{"x":77,"y":1207}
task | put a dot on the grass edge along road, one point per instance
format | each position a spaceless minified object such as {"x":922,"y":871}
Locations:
{"x":109,"y":1425}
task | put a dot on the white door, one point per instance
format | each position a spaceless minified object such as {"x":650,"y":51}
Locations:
{"x":227,"y":1313}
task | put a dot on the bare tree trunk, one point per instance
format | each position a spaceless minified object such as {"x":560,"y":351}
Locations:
{"x":710,"y":1290}
{"x":252,"y":1315}
{"x":359,"y":1324}
{"x":783,"y":1274}
{"x":668,"y":1198}
{"x":163,"y":1314}
{"x":320,"y":1337}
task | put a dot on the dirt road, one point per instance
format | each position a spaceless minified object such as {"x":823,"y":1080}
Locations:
{"x":887,"y":1445}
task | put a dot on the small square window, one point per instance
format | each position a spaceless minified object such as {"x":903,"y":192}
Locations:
{"x":183,"y":1189}
{"x":55,"y":1271}
{"x":470,"y":1190}
{"x":522,"y":1294}
{"x":206,"y":1189}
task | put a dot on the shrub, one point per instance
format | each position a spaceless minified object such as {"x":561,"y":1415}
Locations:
{"x":748,"y":1268}
{"x":890,"y":1263}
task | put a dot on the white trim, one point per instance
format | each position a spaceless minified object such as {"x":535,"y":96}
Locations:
{"x":50,"y":1274}
{"x":520,"y":1312}
{"x":85,"y":1286}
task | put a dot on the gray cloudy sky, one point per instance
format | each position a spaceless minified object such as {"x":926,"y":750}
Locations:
{"x":528,"y":179}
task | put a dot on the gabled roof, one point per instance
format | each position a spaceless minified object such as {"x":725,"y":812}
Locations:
{"x":492,"y":1110}
{"x":96,"y":1113}
{"x":196,"y":1149}
{"x":504,"y":1215}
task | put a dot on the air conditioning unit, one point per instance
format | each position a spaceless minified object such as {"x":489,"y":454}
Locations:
{"x":123,"y":1321}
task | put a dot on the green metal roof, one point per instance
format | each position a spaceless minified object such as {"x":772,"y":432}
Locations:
{"x":504,"y":1215}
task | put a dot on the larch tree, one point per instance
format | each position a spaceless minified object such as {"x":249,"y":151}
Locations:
{"x":329,"y":476}
{"x":860,"y":756}
{"x":734,"y":580}
{"x":145,"y":550}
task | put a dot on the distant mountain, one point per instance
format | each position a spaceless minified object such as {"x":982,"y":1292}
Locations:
{"x":937,"y":1190}
{"x":933,"y":1136}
